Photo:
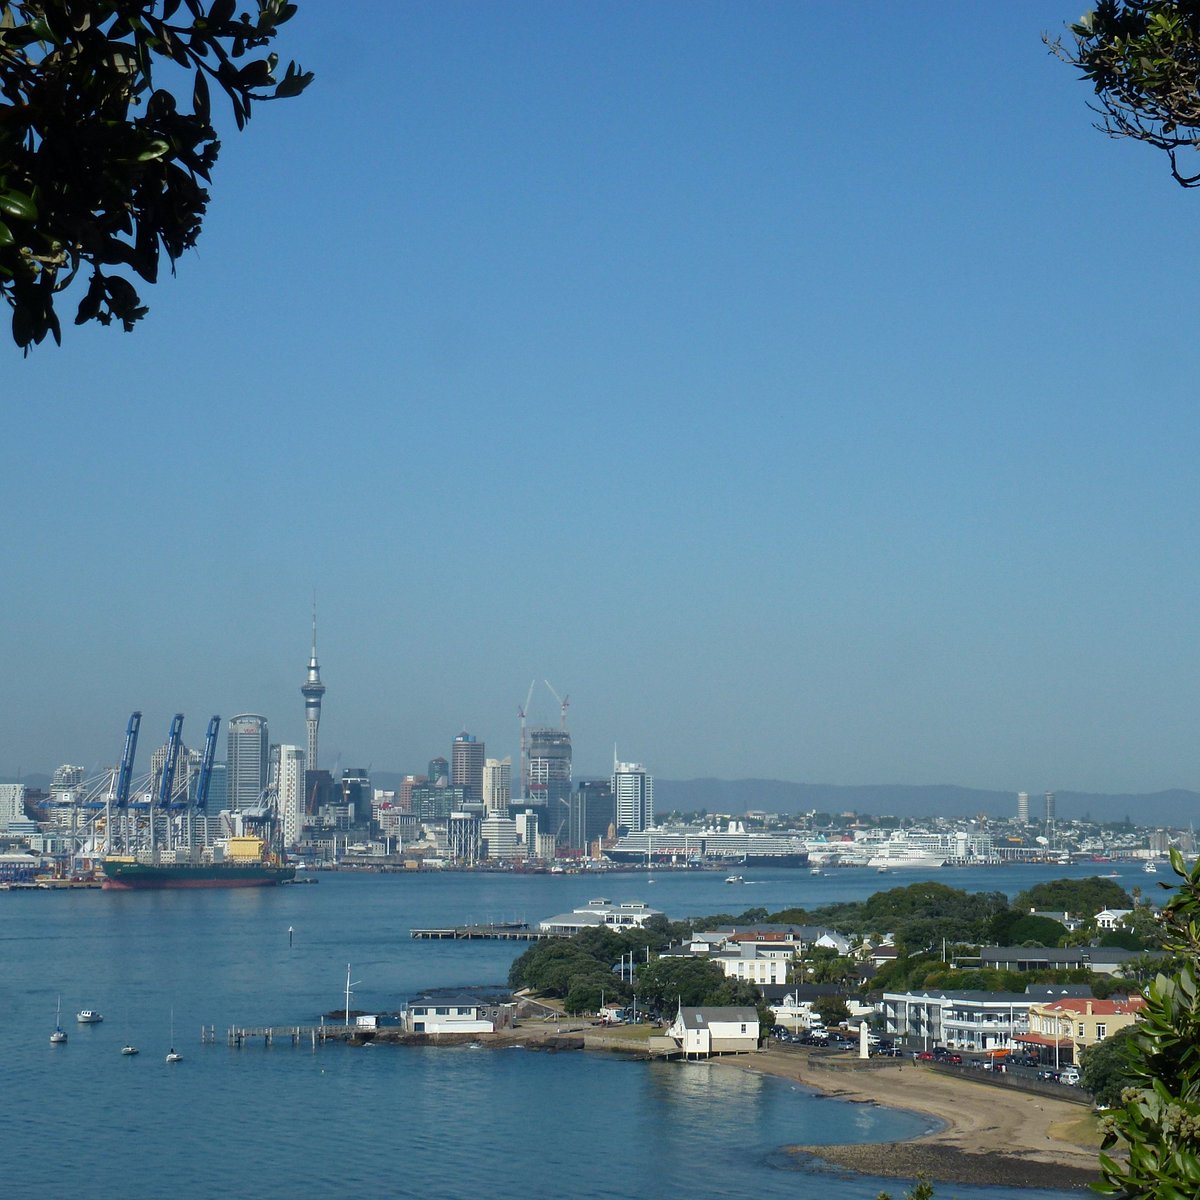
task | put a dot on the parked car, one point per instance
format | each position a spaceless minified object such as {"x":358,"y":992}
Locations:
{"x":924,"y":1056}
{"x":1069,"y":1076}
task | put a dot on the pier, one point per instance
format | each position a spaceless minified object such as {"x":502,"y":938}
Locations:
{"x":295,"y":1035}
{"x":514,"y":931}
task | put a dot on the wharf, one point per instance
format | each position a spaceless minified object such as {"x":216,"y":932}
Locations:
{"x":296,"y":1035}
{"x":515,"y":931}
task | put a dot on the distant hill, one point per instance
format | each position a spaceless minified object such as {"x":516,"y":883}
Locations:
{"x":32,"y":780}
{"x":1175,"y":807}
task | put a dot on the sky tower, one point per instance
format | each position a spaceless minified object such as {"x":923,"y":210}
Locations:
{"x":312,"y":690}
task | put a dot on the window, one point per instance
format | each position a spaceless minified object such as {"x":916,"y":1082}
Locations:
{"x":1101,"y":1032}
{"x":743,"y":1029}
{"x":1082,"y":1030}
{"x":442,"y":1012}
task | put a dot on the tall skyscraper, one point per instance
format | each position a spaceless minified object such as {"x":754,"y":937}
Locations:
{"x":633,"y":793}
{"x":548,"y":769}
{"x":312,"y":690}
{"x":1023,"y":807}
{"x":287,"y":776}
{"x":466,"y":767}
{"x":1049,"y":808}
{"x":246,"y":760}
{"x":591,"y":813}
{"x":357,"y":794}
{"x":438,"y":772}
{"x":497,"y":784}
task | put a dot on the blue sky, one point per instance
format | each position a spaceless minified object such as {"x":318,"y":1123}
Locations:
{"x":805,"y":389}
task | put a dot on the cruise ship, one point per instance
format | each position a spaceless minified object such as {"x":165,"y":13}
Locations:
{"x":698,"y":846}
{"x":914,"y":848}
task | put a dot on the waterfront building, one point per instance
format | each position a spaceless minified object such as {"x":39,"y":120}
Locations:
{"x":499,"y":836}
{"x":1071,"y":1025}
{"x":467,"y":757}
{"x":633,"y":796}
{"x":632,"y":914}
{"x":1023,"y":808}
{"x":702,"y":1032}
{"x":497,"y":784}
{"x":287,"y":778}
{"x":247,"y":759}
{"x":450,"y":1012}
{"x":967,"y":1020}
{"x":528,"y":823}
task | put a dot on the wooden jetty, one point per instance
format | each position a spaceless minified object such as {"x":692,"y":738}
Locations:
{"x":515,"y":931}
{"x":295,"y":1035}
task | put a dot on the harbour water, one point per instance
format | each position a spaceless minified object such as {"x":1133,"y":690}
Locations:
{"x":383,"y":1121}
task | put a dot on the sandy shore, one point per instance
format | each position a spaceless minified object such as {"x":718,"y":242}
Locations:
{"x":988,"y":1135}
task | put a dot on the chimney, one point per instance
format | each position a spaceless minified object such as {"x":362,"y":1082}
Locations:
{"x":1089,"y":1008}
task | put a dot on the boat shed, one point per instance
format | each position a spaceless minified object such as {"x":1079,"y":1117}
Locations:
{"x":703,"y":1032}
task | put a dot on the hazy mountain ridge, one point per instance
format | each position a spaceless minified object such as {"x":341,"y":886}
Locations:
{"x":1177,"y":806}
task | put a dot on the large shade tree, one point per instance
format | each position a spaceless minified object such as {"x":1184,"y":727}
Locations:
{"x":107,"y":141}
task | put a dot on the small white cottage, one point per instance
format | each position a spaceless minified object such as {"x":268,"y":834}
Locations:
{"x":701,"y":1032}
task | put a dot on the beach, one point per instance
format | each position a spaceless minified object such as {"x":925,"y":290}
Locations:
{"x":987,"y":1134}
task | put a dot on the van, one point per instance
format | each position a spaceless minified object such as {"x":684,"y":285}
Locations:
{"x":1069,"y":1076}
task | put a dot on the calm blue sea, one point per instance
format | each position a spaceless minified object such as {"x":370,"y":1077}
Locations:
{"x":379,"y":1121}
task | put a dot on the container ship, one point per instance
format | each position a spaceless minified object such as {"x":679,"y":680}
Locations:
{"x":236,"y":862}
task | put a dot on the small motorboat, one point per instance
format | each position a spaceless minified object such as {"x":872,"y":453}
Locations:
{"x":734,"y":879}
{"x":129,"y":1050}
{"x":88,"y":1016}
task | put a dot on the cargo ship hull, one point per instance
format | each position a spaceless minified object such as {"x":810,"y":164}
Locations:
{"x":136,"y":876}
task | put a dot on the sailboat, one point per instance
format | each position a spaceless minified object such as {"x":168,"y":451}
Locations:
{"x":172,"y":1057}
{"x":59,"y":1036}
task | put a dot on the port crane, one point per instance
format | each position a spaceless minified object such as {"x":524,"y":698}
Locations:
{"x":124,"y":778}
{"x":166,"y":782}
{"x":205,"y":777}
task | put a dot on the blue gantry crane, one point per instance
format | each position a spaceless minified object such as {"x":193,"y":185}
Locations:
{"x":206,"y":764}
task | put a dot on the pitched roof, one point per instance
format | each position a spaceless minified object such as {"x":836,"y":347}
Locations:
{"x":701,"y":1018}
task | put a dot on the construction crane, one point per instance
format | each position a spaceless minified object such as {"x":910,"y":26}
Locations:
{"x":522,"y":713}
{"x":564,"y":702}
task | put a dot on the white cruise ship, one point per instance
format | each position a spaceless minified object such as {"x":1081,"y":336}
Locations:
{"x":699,"y":847}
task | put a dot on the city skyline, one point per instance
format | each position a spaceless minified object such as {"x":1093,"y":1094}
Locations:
{"x":799,"y":412}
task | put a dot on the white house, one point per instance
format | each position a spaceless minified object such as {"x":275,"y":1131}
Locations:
{"x":701,"y":1032}
{"x":1112,"y":918}
{"x":755,"y":962}
{"x":454,"y":1014}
